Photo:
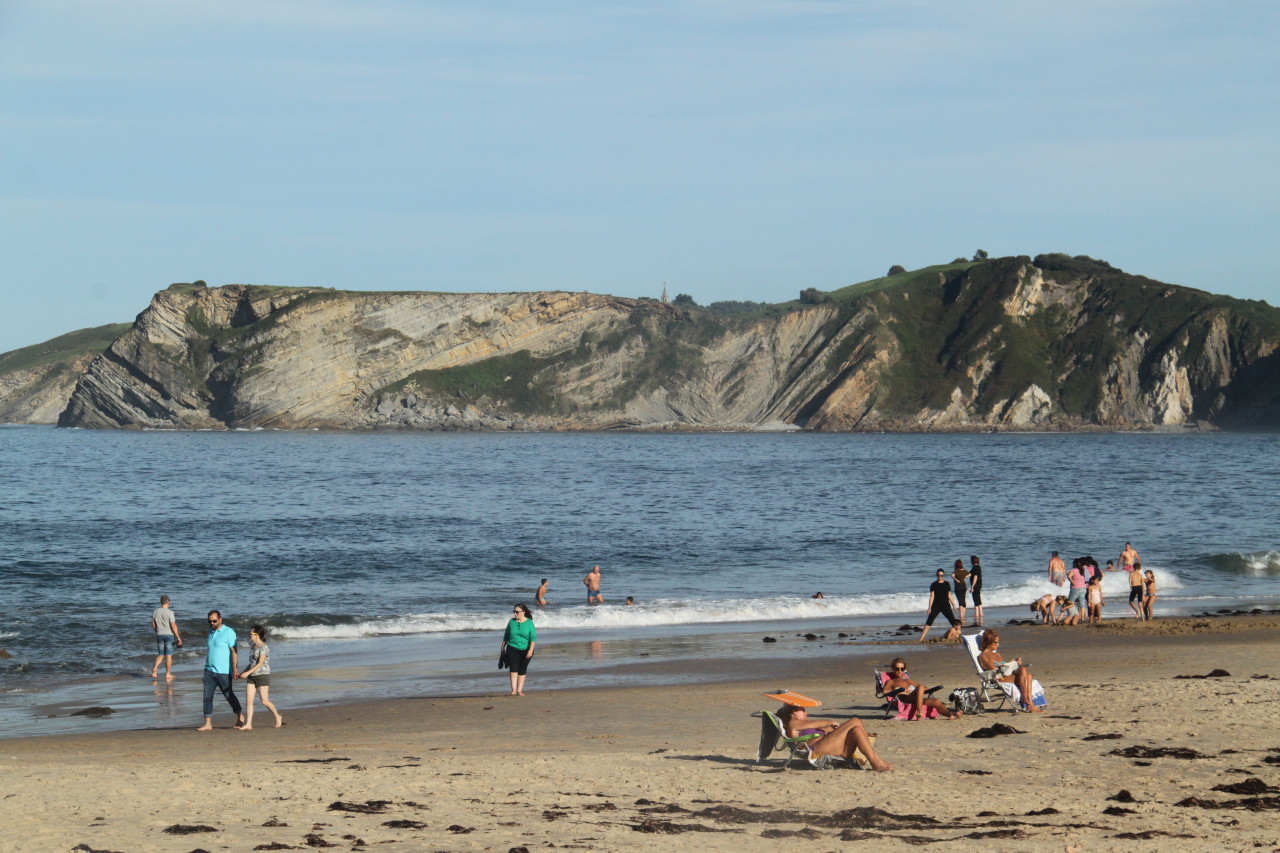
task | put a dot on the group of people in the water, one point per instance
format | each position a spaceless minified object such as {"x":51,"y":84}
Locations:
{"x":1084,"y":600}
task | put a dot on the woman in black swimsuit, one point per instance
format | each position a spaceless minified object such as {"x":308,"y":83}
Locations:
{"x":940,"y":605}
{"x":975,"y":587}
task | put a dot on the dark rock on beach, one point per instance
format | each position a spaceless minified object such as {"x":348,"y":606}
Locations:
{"x":95,"y":711}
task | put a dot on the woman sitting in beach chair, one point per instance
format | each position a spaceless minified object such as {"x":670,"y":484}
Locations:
{"x":1011,"y":672}
{"x":910,"y":698}
{"x":840,"y":740}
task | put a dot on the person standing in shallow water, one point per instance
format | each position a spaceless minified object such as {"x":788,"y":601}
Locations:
{"x":168,"y":639}
{"x":517,"y":646}
{"x":592,"y":580}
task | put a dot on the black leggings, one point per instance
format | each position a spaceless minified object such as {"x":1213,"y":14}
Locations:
{"x":517,"y":660}
{"x":960,"y":589}
{"x":943,"y":609}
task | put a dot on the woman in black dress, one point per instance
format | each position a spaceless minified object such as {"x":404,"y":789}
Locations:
{"x":975,"y":588}
{"x":940,"y":605}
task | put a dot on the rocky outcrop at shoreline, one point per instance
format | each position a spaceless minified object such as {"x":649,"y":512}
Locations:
{"x":1053,"y":343}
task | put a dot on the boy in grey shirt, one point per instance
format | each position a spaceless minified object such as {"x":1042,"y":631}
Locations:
{"x":167,"y":637}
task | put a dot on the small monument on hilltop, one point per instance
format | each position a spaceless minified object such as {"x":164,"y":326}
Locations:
{"x":664,"y":293}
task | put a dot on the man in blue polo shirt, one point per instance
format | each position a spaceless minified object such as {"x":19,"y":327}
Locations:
{"x":220,"y":663}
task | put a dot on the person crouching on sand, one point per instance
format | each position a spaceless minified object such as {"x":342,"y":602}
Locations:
{"x":838,"y":739}
{"x":1068,"y":613}
{"x":1045,"y":606}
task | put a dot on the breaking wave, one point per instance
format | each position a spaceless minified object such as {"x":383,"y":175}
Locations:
{"x":669,"y":612}
{"x":1256,"y":564}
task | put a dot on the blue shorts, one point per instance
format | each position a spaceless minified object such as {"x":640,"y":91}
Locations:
{"x":592,"y":594}
{"x":1078,"y":595}
{"x":166,"y":644}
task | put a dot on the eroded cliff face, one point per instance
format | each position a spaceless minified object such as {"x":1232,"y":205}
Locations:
{"x":37,"y":395}
{"x":1008,"y":344}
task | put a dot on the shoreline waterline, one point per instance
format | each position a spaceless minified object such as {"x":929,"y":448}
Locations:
{"x":340,"y":673}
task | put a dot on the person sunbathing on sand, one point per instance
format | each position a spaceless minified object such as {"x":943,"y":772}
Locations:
{"x":915,"y":693}
{"x":1020,"y":676}
{"x":838,"y":739}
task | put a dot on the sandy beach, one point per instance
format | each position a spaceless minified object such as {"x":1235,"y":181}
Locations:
{"x":659,"y":768}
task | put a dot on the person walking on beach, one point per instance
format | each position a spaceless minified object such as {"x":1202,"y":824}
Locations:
{"x":540,"y":597}
{"x":592,"y":580}
{"x":960,"y":575}
{"x":940,"y":604}
{"x":219,"y":666}
{"x":1136,"y":593}
{"x":517,"y":646}
{"x":257,"y":676}
{"x":1057,"y":570}
{"x":164,"y":623}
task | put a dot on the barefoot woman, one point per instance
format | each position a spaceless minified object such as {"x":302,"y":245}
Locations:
{"x":838,"y":739}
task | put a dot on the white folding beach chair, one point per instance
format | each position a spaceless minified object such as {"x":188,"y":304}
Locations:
{"x":989,"y":681}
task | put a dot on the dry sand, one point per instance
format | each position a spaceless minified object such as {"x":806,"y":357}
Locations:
{"x":663,"y":768}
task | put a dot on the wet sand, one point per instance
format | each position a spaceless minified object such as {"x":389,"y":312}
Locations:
{"x":1107,"y":766}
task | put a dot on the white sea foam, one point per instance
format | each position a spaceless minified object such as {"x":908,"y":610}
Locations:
{"x":668,"y":612}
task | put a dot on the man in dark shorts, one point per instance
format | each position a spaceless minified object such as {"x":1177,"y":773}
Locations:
{"x":940,"y":602}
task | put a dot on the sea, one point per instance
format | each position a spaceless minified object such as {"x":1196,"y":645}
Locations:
{"x":387,"y":564}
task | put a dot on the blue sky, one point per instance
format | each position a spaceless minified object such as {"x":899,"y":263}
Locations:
{"x":734,"y":150}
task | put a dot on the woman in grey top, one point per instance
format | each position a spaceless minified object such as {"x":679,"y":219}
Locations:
{"x":258,"y":676}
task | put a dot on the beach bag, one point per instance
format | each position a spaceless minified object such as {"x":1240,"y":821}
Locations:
{"x":965,"y":700}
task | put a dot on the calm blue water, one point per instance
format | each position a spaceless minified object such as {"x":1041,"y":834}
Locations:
{"x":400,"y":555}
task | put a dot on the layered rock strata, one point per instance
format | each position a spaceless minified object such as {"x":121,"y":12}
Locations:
{"x":1055,"y":343}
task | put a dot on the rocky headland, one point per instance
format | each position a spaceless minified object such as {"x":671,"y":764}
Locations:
{"x":1050,"y":343}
